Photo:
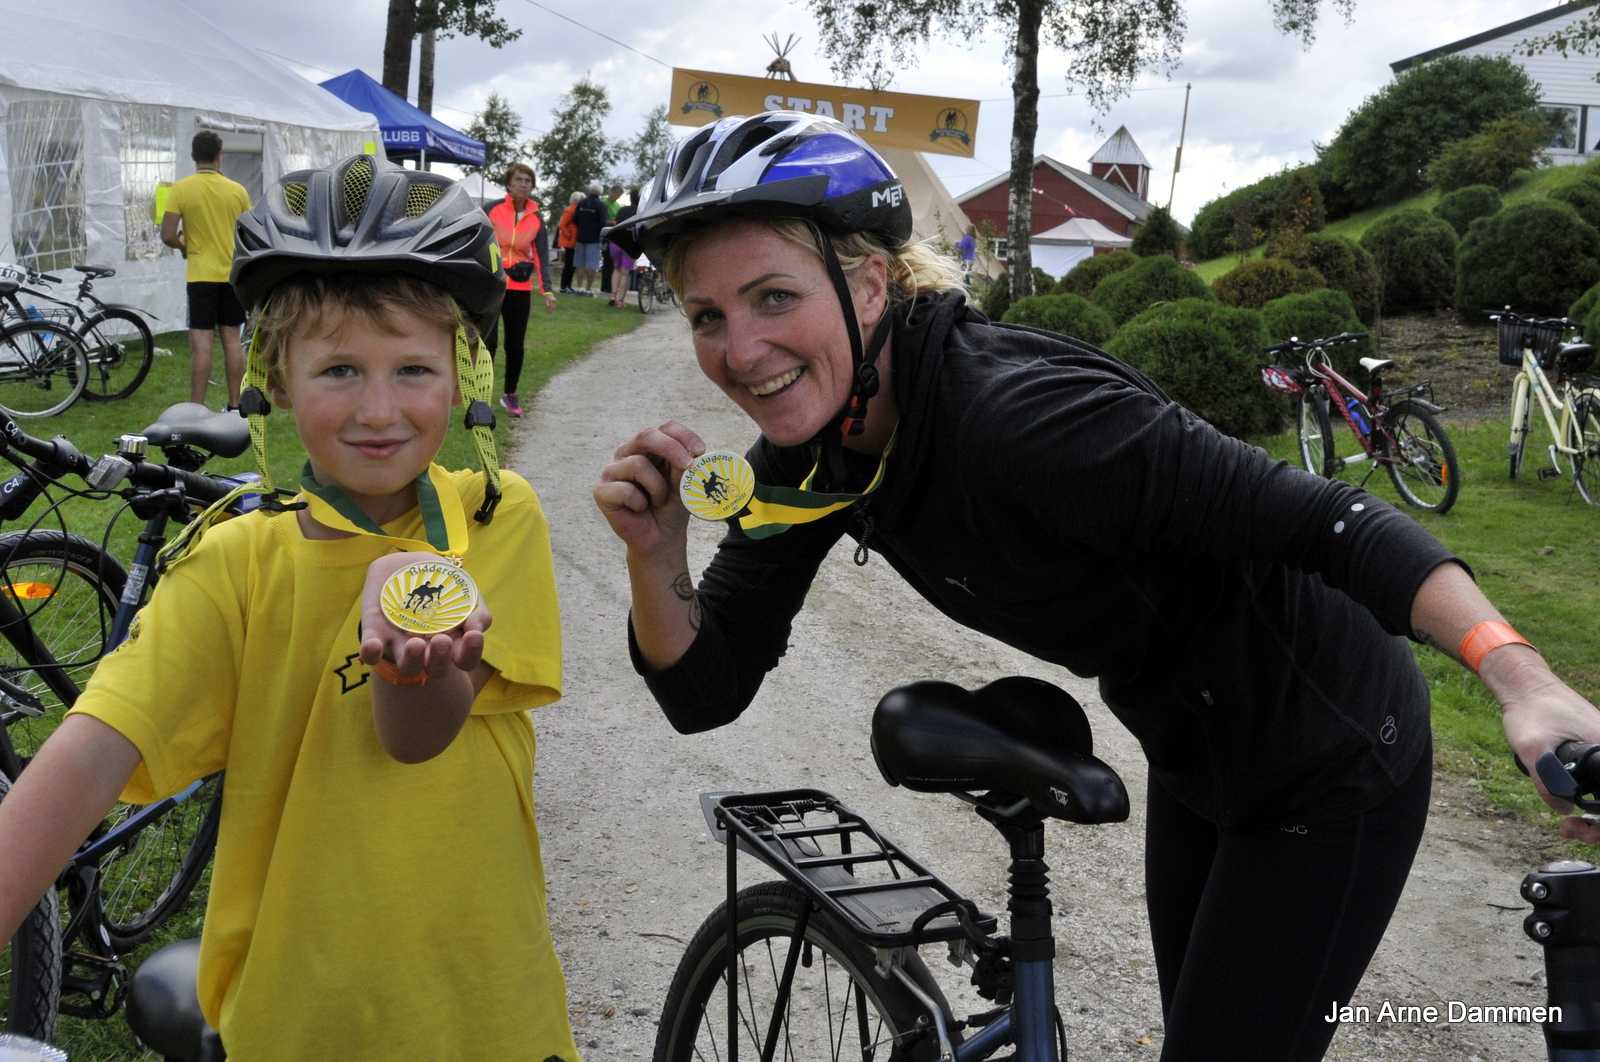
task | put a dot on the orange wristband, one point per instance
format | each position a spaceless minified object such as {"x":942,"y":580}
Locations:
{"x":391,"y":674}
{"x":1486,"y":636}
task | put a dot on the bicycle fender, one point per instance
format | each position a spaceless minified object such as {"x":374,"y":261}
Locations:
{"x":1422,"y":402}
{"x":140,"y":310}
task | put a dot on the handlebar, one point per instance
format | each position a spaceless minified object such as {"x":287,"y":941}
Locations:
{"x":1571,"y":772}
{"x":1293,"y":342}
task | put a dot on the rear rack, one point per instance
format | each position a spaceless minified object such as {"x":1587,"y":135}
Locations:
{"x":903,"y":905}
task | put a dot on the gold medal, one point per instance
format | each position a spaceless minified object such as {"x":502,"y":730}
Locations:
{"x":429,"y":597}
{"x":717,"y":485}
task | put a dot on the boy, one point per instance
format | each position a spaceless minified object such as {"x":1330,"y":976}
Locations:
{"x":378,"y":891}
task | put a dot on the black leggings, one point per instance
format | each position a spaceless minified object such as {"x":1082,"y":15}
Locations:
{"x":567,"y":266}
{"x":1259,"y":932}
{"x":514,"y":312}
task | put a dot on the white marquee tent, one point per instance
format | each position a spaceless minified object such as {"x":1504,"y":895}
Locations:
{"x":89,"y":130}
{"x":1057,"y":250}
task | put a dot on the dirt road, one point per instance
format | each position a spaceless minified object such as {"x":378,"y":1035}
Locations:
{"x":632,"y":872}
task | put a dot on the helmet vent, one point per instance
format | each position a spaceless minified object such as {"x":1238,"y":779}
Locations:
{"x":419,"y":197}
{"x":737,"y":147}
{"x":294,"y":195}
{"x":357,"y":183}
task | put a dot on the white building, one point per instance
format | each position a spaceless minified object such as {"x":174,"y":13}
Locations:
{"x":1567,"y":85}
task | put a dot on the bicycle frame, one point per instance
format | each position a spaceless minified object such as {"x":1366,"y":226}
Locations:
{"x":1532,"y":377}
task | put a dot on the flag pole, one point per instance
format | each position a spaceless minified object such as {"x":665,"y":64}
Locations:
{"x":1177,"y":163}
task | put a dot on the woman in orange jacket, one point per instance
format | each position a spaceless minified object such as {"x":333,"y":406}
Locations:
{"x":567,"y":239}
{"x":524,"y":253}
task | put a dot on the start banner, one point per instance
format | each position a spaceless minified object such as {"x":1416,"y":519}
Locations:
{"x":883,"y":119}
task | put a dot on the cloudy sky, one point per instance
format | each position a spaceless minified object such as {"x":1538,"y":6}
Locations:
{"x":1259,"y":98}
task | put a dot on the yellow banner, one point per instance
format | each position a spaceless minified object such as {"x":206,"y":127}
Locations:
{"x":930,"y":124}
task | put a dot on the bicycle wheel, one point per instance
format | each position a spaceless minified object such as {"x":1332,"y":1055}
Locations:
{"x":647,"y":293}
{"x":1422,"y":461}
{"x":43,"y":368}
{"x":67,"y":590}
{"x":838,"y":1008}
{"x":146,"y":882}
{"x":1316,"y":433}
{"x":30,"y":968}
{"x":1521,"y":410}
{"x":120,"y":349}
{"x":1583,"y":435}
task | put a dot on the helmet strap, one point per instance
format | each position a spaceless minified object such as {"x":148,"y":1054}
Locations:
{"x":253,"y":404}
{"x":476,"y":376}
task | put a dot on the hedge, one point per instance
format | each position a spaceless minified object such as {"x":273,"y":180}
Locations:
{"x":1493,"y":156}
{"x":1159,"y":235}
{"x":1071,"y":315}
{"x":1464,"y":205}
{"x":1584,"y":197}
{"x":1082,"y":278}
{"x":1254,"y":284}
{"x":1537,"y":256}
{"x":1415,"y":253}
{"x":1317,"y":315}
{"x":997,"y":299}
{"x":1126,"y":294}
{"x":1584,"y":310}
{"x":1345,"y":265}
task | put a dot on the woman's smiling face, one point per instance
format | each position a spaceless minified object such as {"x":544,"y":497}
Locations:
{"x":768,"y":329}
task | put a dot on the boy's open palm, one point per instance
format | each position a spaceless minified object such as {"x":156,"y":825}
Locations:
{"x":460,"y":648}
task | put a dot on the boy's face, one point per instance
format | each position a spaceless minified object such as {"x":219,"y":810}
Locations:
{"x":372,"y":406}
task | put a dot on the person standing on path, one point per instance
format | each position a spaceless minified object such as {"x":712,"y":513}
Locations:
{"x":1246,"y":620}
{"x":567,"y":239}
{"x":621,"y":261}
{"x":590,"y":218}
{"x":208,"y":204}
{"x":613,"y":202}
{"x":525,"y":256}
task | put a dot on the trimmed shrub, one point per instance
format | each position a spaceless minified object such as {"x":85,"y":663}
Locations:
{"x":996,"y":298}
{"x":1083,"y":277}
{"x":1464,"y":205}
{"x":1204,"y":355}
{"x":1584,"y":197}
{"x":1211,"y":234}
{"x":1257,"y":283}
{"x":1317,"y":315}
{"x":1299,"y":209}
{"x":1584,"y":310}
{"x":1158,"y":235}
{"x":1126,"y":294}
{"x":1415,"y":253}
{"x":1071,"y":315}
{"x":1536,"y":256}
{"x":1491,"y":157}
{"x":1344,"y":265}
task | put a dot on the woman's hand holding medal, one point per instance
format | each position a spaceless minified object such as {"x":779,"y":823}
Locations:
{"x":638,"y":490}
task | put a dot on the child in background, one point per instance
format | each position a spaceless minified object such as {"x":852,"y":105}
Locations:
{"x":378,"y":890}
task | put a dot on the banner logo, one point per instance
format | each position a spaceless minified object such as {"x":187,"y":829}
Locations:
{"x":952,"y":124}
{"x":703,"y":96}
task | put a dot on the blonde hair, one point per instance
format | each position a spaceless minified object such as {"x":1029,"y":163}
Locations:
{"x":304,"y":305}
{"x":914,"y":268}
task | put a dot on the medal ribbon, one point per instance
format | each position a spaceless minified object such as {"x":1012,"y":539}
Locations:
{"x":444,"y":522}
{"x":773,"y":510}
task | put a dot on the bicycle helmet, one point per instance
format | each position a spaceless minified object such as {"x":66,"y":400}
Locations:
{"x":783,"y":164}
{"x":366,"y":214}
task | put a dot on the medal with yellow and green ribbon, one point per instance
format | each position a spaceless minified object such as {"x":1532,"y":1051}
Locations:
{"x":425,"y":597}
{"x":719,"y":485}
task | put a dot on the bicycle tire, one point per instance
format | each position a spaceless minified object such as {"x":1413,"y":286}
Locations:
{"x":30,"y":967}
{"x":1583,"y":435}
{"x":148,"y":881}
{"x":1521,"y":399}
{"x":1425,"y":470}
{"x":120,"y":360}
{"x":1316,"y":433}
{"x":43,"y":368}
{"x":693,"y":1023}
{"x":71,"y":620}
{"x":647,"y":294}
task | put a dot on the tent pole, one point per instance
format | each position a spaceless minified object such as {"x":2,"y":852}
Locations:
{"x":1177,"y":163}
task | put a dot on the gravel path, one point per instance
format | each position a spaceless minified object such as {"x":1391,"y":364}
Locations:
{"x":632,"y":872}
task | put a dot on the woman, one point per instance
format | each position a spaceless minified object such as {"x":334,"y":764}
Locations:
{"x":567,"y":239}
{"x":1240,"y":615}
{"x":621,"y":261}
{"x":524,"y":252}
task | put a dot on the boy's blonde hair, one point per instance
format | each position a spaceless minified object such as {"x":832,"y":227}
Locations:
{"x":322,"y":302}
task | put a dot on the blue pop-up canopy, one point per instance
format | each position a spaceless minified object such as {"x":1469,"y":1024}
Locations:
{"x":408,"y":133}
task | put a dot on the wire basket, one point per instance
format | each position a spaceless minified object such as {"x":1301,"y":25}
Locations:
{"x":1543,"y":336}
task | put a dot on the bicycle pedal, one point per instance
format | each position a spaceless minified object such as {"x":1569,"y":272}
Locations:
{"x":92,"y":987}
{"x":1547,"y":474}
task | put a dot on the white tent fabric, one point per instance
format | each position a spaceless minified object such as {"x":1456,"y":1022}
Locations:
{"x":1057,"y":250}
{"x":934,"y":212}
{"x":98,"y":102}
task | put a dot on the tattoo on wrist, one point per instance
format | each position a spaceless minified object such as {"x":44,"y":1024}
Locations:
{"x":683,"y":590}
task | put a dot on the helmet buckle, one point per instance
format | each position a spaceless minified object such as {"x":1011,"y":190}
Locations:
{"x":252,"y":403}
{"x":479,"y":415}
{"x":491,"y":500}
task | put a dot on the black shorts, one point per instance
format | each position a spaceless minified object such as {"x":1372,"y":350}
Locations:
{"x":213,"y":303}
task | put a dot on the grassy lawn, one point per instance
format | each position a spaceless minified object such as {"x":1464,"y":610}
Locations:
{"x":553,"y":341}
{"x":1499,"y":527}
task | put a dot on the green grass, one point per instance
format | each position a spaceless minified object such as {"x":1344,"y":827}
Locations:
{"x":553,"y":341}
{"x":1498,"y":526}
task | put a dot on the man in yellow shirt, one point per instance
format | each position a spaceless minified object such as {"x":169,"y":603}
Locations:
{"x":209,"y":205}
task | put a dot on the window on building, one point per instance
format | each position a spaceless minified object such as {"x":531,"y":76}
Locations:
{"x":149,"y":156}
{"x":1564,"y":135}
{"x":44,"y":154}
{"x":997,"y":247}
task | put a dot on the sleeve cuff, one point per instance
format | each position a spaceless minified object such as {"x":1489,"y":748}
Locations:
{"x":700,"y":691}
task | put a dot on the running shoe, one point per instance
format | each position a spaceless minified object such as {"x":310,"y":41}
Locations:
{"x":509,"y":400}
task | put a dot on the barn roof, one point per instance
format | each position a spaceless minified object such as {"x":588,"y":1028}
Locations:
{"x":1488,"y":35}
{"x":1113,"y":195}
{"x":1121,"y":150}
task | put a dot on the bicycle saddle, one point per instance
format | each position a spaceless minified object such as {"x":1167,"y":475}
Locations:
{"x":95,"y":272}
{"x":191,"y":424}
{"x":1020,"y":735}
{"x":9,"y":287}
{"x":163,"y":1006}
{"x":1375,"y":364}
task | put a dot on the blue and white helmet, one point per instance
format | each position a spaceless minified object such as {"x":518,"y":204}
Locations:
{"x":776,"y":164}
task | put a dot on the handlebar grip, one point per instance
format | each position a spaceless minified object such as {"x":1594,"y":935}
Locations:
{"x":196,"y":486}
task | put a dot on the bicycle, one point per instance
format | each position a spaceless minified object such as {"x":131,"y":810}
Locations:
{"x":44,"y":366}
{"x":1397,"y":429}
{"x":654,"y":290}
{"x":826,"y":960}
{"x":141,"y":863}
{"x":1533,"y":346}
{"x":117,"y":337}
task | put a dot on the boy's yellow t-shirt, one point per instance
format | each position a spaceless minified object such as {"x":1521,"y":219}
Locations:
{"x":360,"y":908}
{"x":210,"y":205}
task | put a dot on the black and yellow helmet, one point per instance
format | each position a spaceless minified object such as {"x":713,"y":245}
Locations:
{"x":368,"y":215}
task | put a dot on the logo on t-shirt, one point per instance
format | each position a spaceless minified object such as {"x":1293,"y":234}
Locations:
{"x":344,"y":672}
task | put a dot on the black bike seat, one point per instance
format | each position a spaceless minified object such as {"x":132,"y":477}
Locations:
{"x":163,"y":1006}
{"x":191,"y":424}
{"x":9,"y":287}
{"x":95,"y":271}
{"x":1375,"y":364}
{"x":1020,"y":735}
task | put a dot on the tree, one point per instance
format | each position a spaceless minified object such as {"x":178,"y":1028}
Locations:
{"x":1109,"y":43}
{"x":1158,"y":235}
{"x":1298,"y":211}
{"x":498,"y":126}
{"x":651,"y":145}
{"x":434,"y":20}
{"x":575,"y":151}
